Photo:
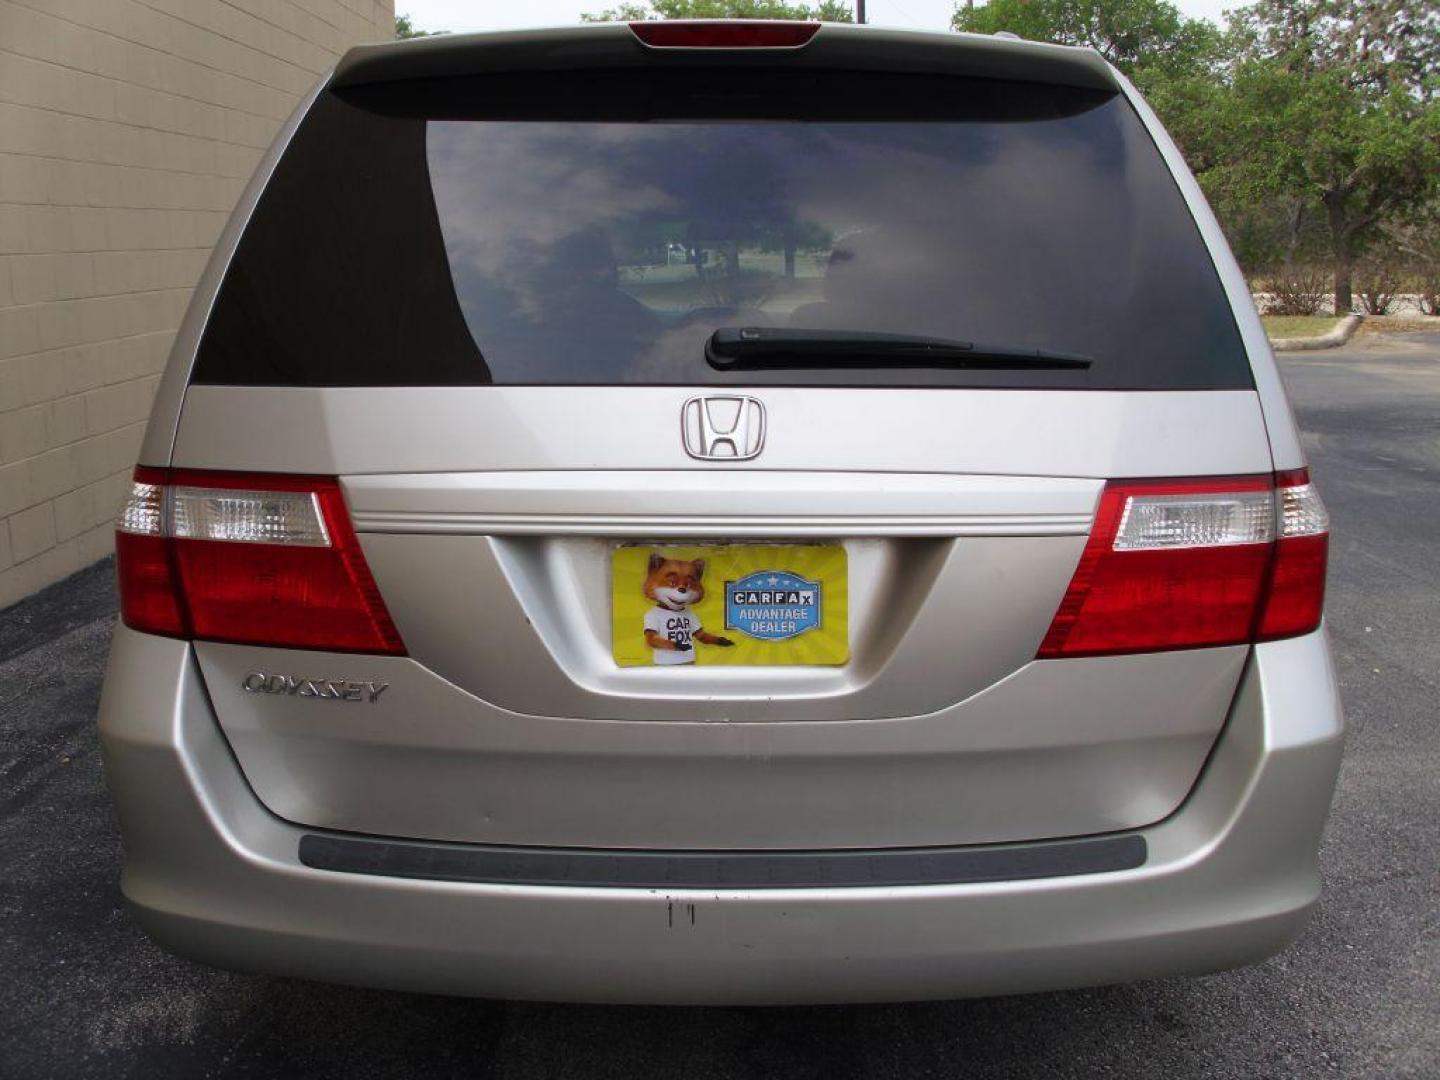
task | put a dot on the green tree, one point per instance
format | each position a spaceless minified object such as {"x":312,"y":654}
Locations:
{"x":824,"y":11}
{"x":1332,"y":111}
{"x":1310,"y":118}
{"x":1375,"y":43}
{"x":1149,"y":40}
{"x":405,"y":29}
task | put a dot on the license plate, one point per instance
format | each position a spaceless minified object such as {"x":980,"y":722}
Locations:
{"x":746,"y":604}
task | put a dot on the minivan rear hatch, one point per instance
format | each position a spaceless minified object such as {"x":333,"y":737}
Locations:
{"x":488,"y":298}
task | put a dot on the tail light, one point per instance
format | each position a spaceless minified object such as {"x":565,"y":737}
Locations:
{"x":252,"y":559}
{"x":1182,"y":564}
{"x":1295,"y":598}
{"x":721,"y":34}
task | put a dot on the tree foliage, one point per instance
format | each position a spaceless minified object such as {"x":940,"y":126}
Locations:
{"x":1375,"y":44}
{"x":1148,"y":40}
{"x":406,"y":29}
{"x":1311,"y":123}
{"x":1330,"y":106}
{"x":824,"y":11}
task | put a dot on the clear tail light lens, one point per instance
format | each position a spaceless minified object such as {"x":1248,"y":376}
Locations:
{"x":1179,"y":564}
{"x":252,"y":559}
{"x":144,"y":510}
{"x":1224,"y":519}
{"x":248,"y":517}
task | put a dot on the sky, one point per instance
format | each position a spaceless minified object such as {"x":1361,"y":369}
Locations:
{"x":461,"y":15}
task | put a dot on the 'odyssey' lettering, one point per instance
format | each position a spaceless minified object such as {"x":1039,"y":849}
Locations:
{"x":257,"y":682}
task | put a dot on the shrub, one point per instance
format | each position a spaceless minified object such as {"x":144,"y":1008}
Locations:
{"x":1378,"y":280}
{"x":1416,"y":237}
{"x":1295,"y":290}
{"x":1428,"y":290}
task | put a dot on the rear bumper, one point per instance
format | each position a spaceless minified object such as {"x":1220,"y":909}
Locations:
{"x":1229,"y":879}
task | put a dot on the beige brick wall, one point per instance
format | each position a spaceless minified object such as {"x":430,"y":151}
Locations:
{"x":128,"y":129}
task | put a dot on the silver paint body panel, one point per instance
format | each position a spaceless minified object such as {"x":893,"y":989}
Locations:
{"x":213,"y":875}
{"x":1023,"y":433}
{"x":1052,"y":750}
{"x":525,"y":624}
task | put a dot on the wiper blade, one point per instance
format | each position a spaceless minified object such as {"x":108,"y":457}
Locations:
{"x":756,"y":348}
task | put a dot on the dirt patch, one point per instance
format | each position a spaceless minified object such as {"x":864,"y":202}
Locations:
{"x":1398,"y":324}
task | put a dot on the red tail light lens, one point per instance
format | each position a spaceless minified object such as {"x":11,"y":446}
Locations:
{"x":737,"y":34}
{"x":149,"y":599}
{"x":252,"y":559}
{"x":1179,"y":564}
{"x":1296,"y":598}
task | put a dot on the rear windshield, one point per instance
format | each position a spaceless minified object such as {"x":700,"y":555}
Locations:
{"x":598,"y":229}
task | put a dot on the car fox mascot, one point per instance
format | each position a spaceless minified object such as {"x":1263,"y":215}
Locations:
{"x":674,"y":586}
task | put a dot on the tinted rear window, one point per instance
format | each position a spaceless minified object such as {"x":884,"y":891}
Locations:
{"x":599,"y":228}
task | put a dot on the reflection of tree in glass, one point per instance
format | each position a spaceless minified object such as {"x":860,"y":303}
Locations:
{"x":748,"y":204}
{"x":791,"y":236}
{"x":578,"y":284}
{"x":731,"y":258}
{"x":646,"y":240}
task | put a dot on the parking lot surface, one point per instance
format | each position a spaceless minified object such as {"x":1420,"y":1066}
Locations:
{"x":84,"y":994}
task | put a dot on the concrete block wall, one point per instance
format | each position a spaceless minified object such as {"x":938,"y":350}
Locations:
{"x":128,"y":129}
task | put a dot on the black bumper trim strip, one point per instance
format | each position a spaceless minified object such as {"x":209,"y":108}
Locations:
{"x":588,"y":867}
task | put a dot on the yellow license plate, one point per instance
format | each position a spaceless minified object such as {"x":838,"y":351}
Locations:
{"x":752,"y":604}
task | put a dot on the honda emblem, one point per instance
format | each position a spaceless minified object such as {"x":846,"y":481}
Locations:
{"x":723,"y":427}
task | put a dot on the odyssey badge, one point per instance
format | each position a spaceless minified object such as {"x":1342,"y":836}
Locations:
{"x":258,"y":682}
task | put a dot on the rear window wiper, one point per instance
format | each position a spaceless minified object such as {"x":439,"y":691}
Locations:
{"x":755,"y":348}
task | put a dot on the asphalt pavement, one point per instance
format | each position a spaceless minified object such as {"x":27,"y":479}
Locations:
{"x":84,"y":994}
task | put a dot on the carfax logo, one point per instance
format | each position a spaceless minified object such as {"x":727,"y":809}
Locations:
{"x":772,"y":605}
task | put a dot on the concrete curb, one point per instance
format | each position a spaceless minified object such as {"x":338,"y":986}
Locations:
{"x":1339,"y":336}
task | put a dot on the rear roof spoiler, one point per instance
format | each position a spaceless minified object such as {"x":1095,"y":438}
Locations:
{"x":614,"y":45}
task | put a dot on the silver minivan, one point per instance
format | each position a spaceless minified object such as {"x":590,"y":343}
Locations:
{"x":722,"y":512}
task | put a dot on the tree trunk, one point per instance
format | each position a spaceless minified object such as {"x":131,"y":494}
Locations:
{"x":1344,"y":275}
{"x":1342,"y":243}
{"x":1292,"y":242}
